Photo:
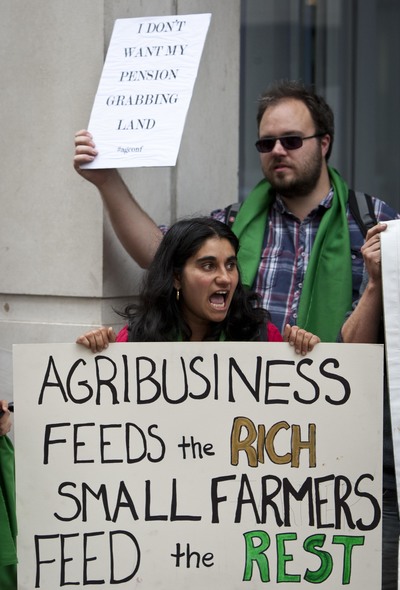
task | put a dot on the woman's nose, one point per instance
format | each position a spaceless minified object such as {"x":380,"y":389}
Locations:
{"x":223,"y":276}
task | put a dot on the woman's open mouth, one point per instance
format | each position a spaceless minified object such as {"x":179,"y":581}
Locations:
{"x":218,"y":299}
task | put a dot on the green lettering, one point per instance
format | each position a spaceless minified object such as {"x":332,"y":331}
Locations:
{"x":324,"y":571}
{"x":348,"y":544}
{"x":283,"y":557}
{"x":255,"y":553}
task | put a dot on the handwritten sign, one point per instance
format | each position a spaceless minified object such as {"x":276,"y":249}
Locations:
{"x":145,"y":90}
{"x":198,"y":465}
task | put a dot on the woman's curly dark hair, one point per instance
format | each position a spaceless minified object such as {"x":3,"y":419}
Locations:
{"x":157,"y":316}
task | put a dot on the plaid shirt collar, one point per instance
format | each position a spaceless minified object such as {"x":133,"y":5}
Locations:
{"x":326,"y":203}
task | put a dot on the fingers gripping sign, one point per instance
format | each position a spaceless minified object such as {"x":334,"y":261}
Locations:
{"x":302,"y":340}
{"x":371,"y":251}
{"x":97,"y":340}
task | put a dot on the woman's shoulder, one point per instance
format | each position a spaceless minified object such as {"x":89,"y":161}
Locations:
{"x":122,"y":335}
{"x":273,"y":334}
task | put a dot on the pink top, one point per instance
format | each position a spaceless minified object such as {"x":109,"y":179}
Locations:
{"x":273,"y":334}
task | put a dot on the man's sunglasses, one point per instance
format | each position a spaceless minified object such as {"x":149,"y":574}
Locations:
{"x":288,"y":142}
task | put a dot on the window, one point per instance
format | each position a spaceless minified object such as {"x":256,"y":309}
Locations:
{"x":349,"y":49}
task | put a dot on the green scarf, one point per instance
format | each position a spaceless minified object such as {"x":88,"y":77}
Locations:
{"x":8,"y":521}
{"x":327,"y":289}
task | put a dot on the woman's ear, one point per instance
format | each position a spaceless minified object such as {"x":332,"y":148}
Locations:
{"x":177,"y":282}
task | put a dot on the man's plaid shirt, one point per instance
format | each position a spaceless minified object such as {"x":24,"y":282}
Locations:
{"x":286,"y":252}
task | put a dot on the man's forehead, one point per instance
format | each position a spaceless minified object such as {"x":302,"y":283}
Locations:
{"x":287,"y":112}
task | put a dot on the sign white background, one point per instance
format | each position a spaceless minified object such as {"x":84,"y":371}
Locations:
{"x":145,"y":89}
{"x":390,"y":247}
{"x":348,"y":446}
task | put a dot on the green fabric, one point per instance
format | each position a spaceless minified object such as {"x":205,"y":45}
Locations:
{"x":8,"y":577}
{"x":327,"y":290}
{"x":8,"y":520}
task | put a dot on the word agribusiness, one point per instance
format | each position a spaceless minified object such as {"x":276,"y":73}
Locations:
{"x":140,"y":379}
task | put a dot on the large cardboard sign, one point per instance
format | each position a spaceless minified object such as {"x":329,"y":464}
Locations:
{"x":145,"y":90}
{"x":198,"y":465}
{"x":390,"y":249}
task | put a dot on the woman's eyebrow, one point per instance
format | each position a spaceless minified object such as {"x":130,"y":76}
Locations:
{"x":206,"y":258}
{"x":211,"y":258}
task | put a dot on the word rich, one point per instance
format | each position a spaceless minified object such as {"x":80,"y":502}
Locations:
{"x":145,"y":380}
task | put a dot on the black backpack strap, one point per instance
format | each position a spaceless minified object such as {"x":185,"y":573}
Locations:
{"x":231,"y":212}
{"x":362,"y":209}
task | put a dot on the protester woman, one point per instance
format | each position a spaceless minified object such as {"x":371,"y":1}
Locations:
{"x":192,"y":292}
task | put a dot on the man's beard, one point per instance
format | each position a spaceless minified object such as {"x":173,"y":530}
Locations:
{"x":300,"y":186}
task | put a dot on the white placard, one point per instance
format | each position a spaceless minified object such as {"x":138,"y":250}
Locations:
{"x":198,"y":465}
{"x":390,"y":251}
{"x":145,"y":90}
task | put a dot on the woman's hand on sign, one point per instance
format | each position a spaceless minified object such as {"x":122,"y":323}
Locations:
{"x":302,"y":340}
{"x":97,"y":340}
